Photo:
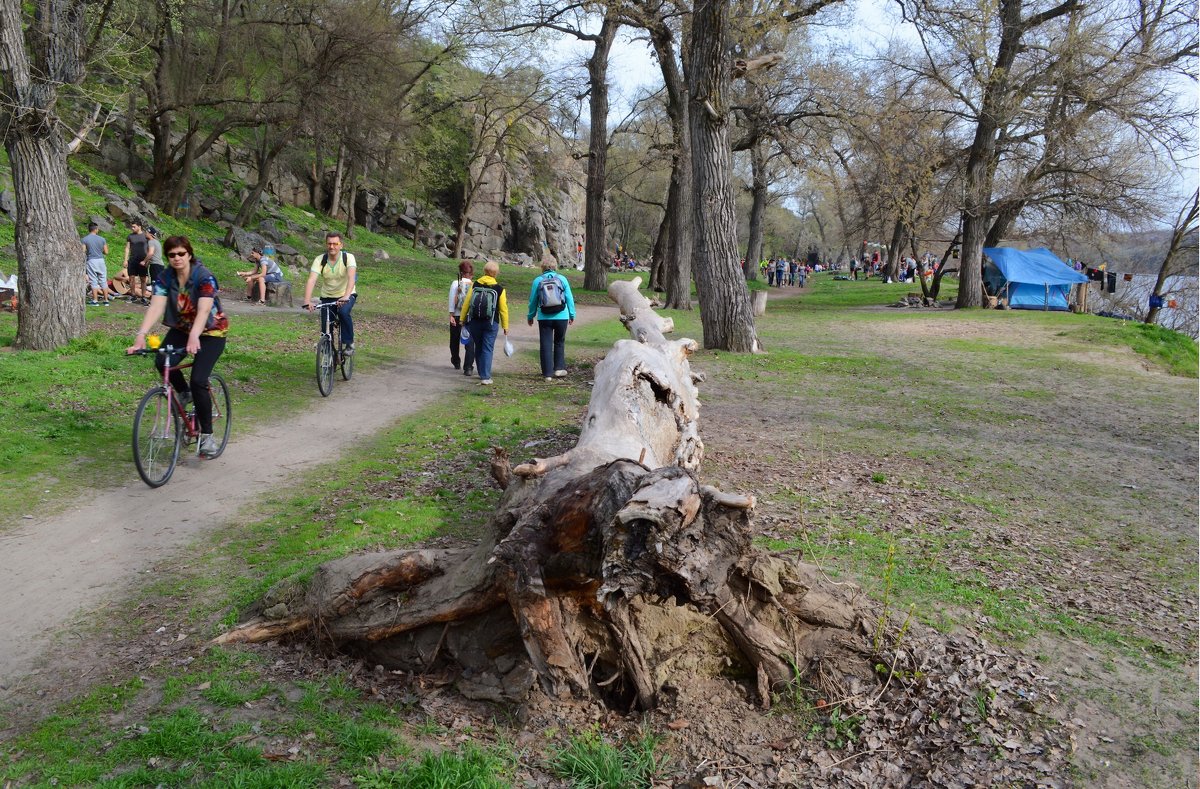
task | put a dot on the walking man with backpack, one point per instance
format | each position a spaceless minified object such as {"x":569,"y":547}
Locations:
{"x":485,"y":312}
{"x":551,"y":302}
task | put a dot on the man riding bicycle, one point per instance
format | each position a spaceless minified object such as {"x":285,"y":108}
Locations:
{"x":338,"y":274}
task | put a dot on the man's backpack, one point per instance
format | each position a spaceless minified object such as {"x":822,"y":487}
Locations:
{"x":325,"y":260}
{"x":552,"y":296}
{"x":485,"y":300}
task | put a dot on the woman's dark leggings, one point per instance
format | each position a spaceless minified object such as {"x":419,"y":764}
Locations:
{"x":552,"y":339}
{"x":456,"y":347}
{"x":211,"y":349}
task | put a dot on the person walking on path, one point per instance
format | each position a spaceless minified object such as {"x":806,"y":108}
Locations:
{"x":185,"y":297}
{"x":136,"y":245}
{"x":94,"y":250}
{"x":458,"y":297}
{"x":154,"y":255}
{"x":551,"y":302}
{"x":338,"y":273}
{"x":485,"y":312}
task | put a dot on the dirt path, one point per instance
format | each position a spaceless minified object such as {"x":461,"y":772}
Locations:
{"x":55,"y":568}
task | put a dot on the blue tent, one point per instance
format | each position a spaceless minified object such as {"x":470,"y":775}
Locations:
{"x":1034,"y":279}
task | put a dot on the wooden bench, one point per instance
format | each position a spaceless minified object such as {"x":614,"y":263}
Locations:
{"x":279,"y":294}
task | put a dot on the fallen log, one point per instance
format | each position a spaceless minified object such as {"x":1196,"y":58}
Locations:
{"x":609,"y":570}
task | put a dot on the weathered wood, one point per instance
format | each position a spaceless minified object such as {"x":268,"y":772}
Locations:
{"x":590,"y":553}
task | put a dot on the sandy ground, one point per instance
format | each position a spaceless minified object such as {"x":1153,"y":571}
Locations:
{"x":56,"y":568}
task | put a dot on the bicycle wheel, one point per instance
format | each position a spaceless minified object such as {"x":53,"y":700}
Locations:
{"x":157,"y":437}
{"x":325,"y":366}
{"x":347,"y":366}
{"x":222,"y":413}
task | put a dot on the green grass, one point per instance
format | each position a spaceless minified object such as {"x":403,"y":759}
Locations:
{"x":589,"y":762}
{"x":473,"y":767}
{"x":1175,"y":352}
{"x":825,"y":292}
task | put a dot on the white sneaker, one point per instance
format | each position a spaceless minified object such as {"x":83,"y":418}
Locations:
{"x":208,"y":445}
{"x":486,"y":382}
{"x":560,"y":373}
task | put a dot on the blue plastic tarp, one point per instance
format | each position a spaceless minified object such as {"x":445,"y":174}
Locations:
{"x":1033,"y":279}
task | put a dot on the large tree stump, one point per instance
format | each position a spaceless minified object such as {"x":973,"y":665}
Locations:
{"x":610,"y":569}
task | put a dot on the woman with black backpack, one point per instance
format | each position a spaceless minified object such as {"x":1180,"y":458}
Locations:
{"x":551,"y":302}
{"x":485,"y":311}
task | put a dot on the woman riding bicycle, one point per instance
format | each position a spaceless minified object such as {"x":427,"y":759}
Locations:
{"x":338,"y":275}
{"x":186,"y":292}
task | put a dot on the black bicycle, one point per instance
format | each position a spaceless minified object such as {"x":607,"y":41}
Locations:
{"x":163,"y":422}
{"x":330,"y":352}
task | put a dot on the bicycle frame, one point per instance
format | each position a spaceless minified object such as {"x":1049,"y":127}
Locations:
{"x":191,"y":427}
{"x":331,"y":354}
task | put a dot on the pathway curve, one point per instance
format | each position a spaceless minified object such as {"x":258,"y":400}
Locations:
{"x":52,"y":569}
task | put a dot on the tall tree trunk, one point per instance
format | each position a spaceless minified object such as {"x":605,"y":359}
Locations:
{"x":758,"y":204}
{"x":351,"y":197}
{"x":129,"y":136}
{"x":1003,"y":223}
{"x":183,"y":176}
{"x":316,"y":173}
{"x":982,"y":156}
{"x":460,"y":230}
{"x":595,"y":273}
{"x":266,"y":158}
{"x":49,"y":275}
{"x":1183,"y":227}
{"x":161,"y":118}
{"x":725,"y":311}
{"x":895,"y":250}
{"x":662,"y":243}
{"x":338,"y":170}
{"x":675,"y":275}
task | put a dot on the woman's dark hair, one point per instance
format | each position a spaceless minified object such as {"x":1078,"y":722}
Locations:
{"x":466,"y":268}
{"x":175,"y":242}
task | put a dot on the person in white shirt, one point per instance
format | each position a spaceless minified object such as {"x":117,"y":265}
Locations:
{"x":458,"y":292}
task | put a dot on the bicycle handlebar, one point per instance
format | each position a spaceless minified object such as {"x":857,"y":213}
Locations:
{"x":167,"y":349}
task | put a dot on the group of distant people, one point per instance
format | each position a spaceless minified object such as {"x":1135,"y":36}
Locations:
{"x":909,"y":269}
{"x":791,"y":271}
{"x":478,"y":310}
{"x":182,"y":294}
{"x":141,"y":265}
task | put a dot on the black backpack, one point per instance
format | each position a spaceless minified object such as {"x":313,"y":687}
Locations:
{"x":485,"y":301}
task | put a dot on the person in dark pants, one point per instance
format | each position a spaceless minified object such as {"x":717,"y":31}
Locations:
{"x":551,"y":302}
{"x":136,"y":246}
{"x":458,"y":295}
{"x":185,"y":297}
{"x":492,"y":318}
